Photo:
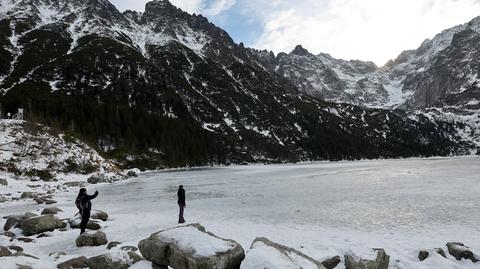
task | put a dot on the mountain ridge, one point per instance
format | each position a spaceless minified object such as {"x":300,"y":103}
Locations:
{"x":166,"y":88}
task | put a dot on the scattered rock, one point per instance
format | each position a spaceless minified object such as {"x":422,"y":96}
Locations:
{"x":132,"y":173}
{"x":40,"y":224}
{"x":460,"y":251}
{"x":26,"y":239}
{"x":423,"y":255}
{"x":50,"y":201}
{"x":4,"y":251}
{"x":51,"y":210}
{"x":2,"y":199}
{"x":98,"y":214}
{"x":57,"y":255}
{"x":80,"y":262}
{"x":114,"y":260}
{"x":381,"y":262}
{"x":9,"y":234}
{"x":16,"y":248}
{"x":39,"y":200}
{"x":129,"y":248}
{"x":185,"y":247}
{"x":27,"y":195}
{"x":21,"y":254}
{"x":440,"y":252}
{"x":97,"y":179}
{"x":3,"y":182}
{"x":332,"y":262}
{"x":14,"y":220}
{"x":91,"y":225}
{"x":113,"y":244}
{"x":264,"y":253}
{"x":90,"y":238}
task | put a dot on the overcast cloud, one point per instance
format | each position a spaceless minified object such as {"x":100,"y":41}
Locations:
{"x":376,"y":30}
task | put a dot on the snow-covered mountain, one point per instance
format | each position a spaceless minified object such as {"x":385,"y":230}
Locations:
{"x":164,"y":87}
{"x":440,"y":69}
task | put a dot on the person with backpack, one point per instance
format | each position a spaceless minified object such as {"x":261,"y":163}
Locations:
{"x":181,"y":203}
{"x":84,"y":205}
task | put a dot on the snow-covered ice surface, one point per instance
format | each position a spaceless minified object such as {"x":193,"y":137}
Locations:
{"x":321,"y":209}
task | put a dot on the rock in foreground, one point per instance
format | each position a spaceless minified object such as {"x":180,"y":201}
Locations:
{"x":460,"y":251}
{"x":41,"y":224}
{"x":80,"y":262}
{"x":266,"y":254}
{"x":114,"y":260}
{"x":90,"y":239}
{"x":381,"y":262}
{"x":191,"y":247}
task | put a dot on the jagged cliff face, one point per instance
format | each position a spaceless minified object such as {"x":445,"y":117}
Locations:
{"x":440,"y":69}
{"x":171,"y":88}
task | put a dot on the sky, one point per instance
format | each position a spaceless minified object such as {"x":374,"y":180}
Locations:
{"x":373,"y":30}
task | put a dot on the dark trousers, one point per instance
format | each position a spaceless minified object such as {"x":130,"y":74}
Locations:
{"x":180,"y":215}
{"x":85,"y":219}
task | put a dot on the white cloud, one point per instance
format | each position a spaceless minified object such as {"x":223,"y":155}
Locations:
{"x":375,"y":30}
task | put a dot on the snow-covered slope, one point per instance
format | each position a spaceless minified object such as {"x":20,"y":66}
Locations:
{"x":34,"y":151}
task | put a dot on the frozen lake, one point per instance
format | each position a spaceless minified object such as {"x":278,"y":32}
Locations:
{"x":324,"y":209}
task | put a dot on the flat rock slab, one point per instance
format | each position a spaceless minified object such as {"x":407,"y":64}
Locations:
{"x":90,"y":239}
{"x":191,"y":247}
{"x":91,"y":225}
{"x":266,"y":254}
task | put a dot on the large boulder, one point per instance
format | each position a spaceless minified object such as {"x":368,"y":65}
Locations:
{"x":51,"y":211}
{"x":91,"y":238}
{"x":80,"y":262}
{"x":191,"y":247}
{"x":381,"y":262}
{"x":91,"y":225}
{"x":267,"y":254}
{"x":14,"y":220}
{"x":41,"y":224}
{"x":460,"y":251}
{"x":98,"y":214}
{"x":114,"y":260}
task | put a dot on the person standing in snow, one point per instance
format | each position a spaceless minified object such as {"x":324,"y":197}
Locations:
{"x":181,"y":203}
{"x":84,"y":206}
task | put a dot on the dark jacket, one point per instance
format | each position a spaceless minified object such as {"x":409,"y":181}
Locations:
{"x":181,"y":196}
{"x":86,"y":204}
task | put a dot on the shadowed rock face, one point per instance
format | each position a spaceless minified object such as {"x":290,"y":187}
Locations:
{"x":460,"y":251}
{"x":167,"y":250}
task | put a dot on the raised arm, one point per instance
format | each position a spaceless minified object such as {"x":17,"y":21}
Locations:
{"x":91,"y":197}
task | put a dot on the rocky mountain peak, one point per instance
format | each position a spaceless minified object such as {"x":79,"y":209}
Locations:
{"x":300,"y":51}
